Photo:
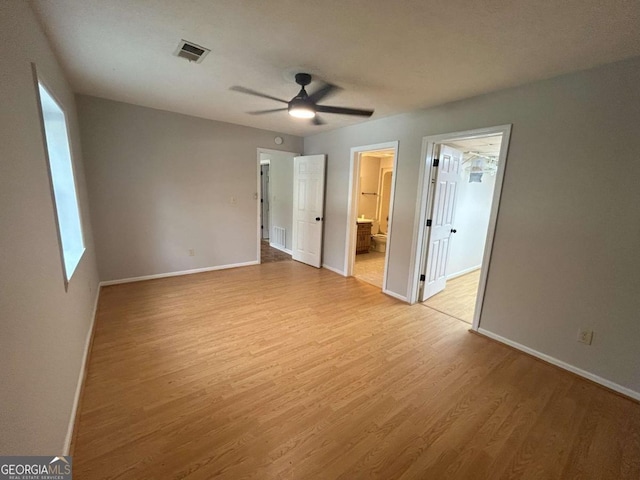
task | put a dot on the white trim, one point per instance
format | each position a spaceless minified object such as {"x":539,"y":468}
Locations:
{"x":395,"y":295}
{"x":428,"y":144}
{"x":463,"y":272}
{"x":176,"y":274}
{"x":383,"y":172}
{"x":282,"y":249}
{"x":260,"y":150}
{"x":334,"y":270}
{"x":83,"y":367}
{"x":39,"y":81}
{"x":352,"y":212}
{"x":559,"y":363}
{"x":413,"y":285}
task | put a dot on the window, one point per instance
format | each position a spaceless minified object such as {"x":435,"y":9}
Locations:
{"x":62,"y":182}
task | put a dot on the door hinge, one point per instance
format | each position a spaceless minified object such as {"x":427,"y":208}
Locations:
{"x":436,"y":162}
{"x":261,"y":200}
{"x":261,"y":172}
{"x":429,"y":223}
{"x":423,"y":277}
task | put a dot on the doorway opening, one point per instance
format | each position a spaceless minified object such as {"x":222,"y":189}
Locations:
{"x":275,"y":205}
{"x":264,"y":199}
{"x":461,"y":190}
{"x":371,"y":197}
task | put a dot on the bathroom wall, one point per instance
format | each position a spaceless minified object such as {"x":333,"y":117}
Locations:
{"x":473,"y":206}
{"x":369,"y":179}
{"x":370,"y":170}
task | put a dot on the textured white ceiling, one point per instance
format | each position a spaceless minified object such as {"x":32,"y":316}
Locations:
{"x":393,"y":56}
{"x":489,"y":146}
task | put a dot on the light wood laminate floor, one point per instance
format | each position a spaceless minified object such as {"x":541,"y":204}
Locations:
{"x":458,"y":299}
{"x":369,"y":267}
{"x":283,"y":371}
{"x":268,"y":254}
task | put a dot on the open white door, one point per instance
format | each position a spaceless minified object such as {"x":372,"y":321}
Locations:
{"x":308,"y":209}
{"x":443,"y":207}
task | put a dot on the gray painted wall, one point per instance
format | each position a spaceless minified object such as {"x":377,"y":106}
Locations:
{"x":566,"y":246}
{"x":162,"y":183}
{"x":473,"y":208}
{"x":43,"y":328}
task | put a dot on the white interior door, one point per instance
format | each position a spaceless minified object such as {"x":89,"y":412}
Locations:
{"x":308,"y":208}
{"x":443,"y":207}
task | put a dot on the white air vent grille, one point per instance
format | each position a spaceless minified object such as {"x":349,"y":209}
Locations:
{"x":191,"y":51}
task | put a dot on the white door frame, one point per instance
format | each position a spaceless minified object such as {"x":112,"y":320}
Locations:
{"x":352,"y":207}
{"x":383,"y":171}
{"x":259,"y":192}
{"x":424,"y":184}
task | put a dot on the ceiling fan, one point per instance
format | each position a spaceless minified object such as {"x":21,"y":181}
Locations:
{"x":305,"y":105}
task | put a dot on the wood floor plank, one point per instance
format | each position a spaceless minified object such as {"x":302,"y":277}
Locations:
{"x":282,"y":371}
{"x":458,"y":299}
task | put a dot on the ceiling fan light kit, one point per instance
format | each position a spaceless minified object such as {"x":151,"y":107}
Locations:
{"x":304,"y":105}
{"x":301,"y":106}
{"x":301,"y":109}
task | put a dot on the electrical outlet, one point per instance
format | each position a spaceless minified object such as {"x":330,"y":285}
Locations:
{"x":192,"y":252}
{"x":585,"y":336}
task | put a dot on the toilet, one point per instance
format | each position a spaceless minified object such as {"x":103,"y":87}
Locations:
{"x":378,"y":239}
{"x":379,"y":242}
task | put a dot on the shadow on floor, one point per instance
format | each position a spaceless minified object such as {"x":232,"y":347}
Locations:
{"x":268,"y":254}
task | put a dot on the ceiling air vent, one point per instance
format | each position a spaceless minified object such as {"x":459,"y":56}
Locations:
{"x":191,"y":51}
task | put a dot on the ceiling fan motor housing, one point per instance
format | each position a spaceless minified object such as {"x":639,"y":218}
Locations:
{"x":303,"y":79}
{"x":302,"y":101}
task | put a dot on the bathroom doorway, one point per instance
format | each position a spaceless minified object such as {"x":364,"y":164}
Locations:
{"x":370,"y":212}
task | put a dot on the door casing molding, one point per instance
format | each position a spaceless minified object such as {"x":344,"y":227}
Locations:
{"x":424,"y":190}
{"x":352,"y":206}
{"x":259,"y":192}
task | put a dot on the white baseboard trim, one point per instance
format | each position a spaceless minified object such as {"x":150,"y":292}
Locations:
{"x":83,"y":367}
{"x":282,"y":249}
{"x":176,"y":274}
{"x":395,"y":295}
{"x":463,"y":272}
{"x":559,"y":363}
{"x":334,"y":270}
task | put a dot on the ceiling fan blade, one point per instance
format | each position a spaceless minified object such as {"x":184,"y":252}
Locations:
{"x":344,"y":111}
{"x":324,"y":91}
{"x":317,"y":120}
{"x":262,"y":112}
{"x":248,"y":91}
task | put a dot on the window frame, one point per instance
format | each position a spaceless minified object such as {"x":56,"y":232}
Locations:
{"x":39,"y":81}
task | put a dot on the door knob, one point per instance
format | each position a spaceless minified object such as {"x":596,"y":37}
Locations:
{"x":453,"y":230}
{"x":317,"y":219}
